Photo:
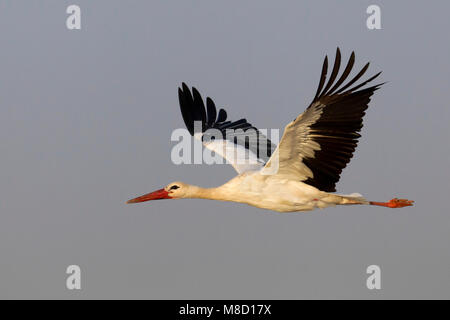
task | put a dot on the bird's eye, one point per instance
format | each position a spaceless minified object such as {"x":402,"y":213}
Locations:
{"x":174,"y":187}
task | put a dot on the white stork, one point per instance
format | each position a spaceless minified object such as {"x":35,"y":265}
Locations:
{"x":308,"y":161}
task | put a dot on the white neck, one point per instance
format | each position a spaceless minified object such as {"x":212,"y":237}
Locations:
{"x":218,"y":193}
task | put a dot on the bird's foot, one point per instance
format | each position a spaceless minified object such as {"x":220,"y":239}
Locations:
{"x":400,"y":203}
{"x":394,"y":203}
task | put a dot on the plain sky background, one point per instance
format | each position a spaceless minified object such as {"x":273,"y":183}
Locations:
{"x":85,"y":124}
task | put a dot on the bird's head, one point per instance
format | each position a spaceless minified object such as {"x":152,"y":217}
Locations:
{"x":174,"y":190}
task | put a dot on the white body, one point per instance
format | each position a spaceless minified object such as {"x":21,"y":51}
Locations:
{"x":273,"y":192}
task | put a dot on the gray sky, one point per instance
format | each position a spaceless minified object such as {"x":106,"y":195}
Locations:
{"x":86,"y":117}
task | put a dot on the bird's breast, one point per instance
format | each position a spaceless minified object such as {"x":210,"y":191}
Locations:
{"x":270,"y":192}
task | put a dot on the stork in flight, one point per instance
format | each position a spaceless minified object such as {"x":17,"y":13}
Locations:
{"x":309,"y":159}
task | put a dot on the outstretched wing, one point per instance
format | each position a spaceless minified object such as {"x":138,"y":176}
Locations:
{"x":319,"y":143}
{"x":240,"y":143}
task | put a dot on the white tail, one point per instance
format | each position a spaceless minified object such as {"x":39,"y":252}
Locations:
{"x":354,"y":198}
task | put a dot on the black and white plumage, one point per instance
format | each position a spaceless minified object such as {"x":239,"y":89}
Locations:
{"x":303,"y":170}
{"x":243,"y":145}
{"x":320,"y":142}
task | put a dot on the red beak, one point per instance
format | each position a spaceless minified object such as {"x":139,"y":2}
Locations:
{"x":155,"y":195}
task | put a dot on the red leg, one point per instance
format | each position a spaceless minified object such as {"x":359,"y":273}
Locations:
{"x":394,"y":203}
